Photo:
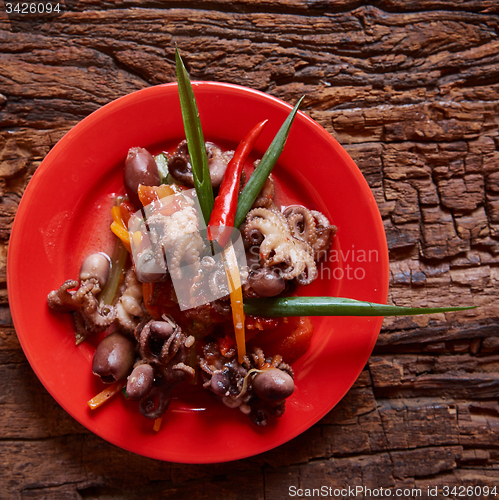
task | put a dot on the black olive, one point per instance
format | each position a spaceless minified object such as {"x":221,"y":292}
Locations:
{"x":140,"y":168}
{"x":273,"y":385}
{"x":113,"y":358}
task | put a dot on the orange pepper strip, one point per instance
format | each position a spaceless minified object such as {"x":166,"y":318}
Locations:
{"x":105,"y":395}
{"x":116,"y":214}
{"x":119,"y":228}
{"x":122,"y":234}
{"x":157,"y":424}
{"x":165,"y":190}
{"x":126,"y":211}
{"x":148,"y":194}
{"x":236,"y":299}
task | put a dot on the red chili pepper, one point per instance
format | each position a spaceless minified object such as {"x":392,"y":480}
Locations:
{"x":226,"y":344}
{"x":224,"y":209}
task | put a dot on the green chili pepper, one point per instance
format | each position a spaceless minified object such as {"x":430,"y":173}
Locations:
{"x":333,"y":306}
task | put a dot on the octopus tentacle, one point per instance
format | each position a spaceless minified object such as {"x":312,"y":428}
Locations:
{"x":187,"y":250}
{"x":272,"y":216}
{"x":171,"y":346}
{"x":164,"y":346}
{"x":83,"y":301}
{"x":129,"y":310}
{"x":325,"y":232}
{"x":309,"y":271}
{"x":302,"y":223}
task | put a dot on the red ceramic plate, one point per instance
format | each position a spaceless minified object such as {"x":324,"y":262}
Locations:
{"x":64,"y":215}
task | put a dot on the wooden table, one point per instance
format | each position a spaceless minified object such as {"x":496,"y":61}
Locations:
{"x":411,"y":89}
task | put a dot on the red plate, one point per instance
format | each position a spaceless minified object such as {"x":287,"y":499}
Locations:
{"x":64,"y":215}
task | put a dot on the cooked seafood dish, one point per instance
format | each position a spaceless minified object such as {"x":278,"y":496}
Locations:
{"x":166,"y":302}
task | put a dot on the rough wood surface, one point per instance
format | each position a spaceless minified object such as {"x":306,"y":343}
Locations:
{"x":411,"y":89}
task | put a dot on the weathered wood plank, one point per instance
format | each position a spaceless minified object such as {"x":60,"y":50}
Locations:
{"x":412,"y":91}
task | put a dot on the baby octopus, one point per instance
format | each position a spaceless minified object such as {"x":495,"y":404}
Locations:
{"x":278,"y":248}
{"x":164,"y":353}
{"x":80,"y":298}
{"x":258,"y":387}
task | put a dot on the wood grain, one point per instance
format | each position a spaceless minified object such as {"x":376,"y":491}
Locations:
{"x":411,"y":89}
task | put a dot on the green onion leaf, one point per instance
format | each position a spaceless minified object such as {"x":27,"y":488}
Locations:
{"x":262,"y":171}
{"x":333,"y":306}
{"x":195,"y":139}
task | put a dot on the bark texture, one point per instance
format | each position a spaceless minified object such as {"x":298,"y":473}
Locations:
{"x":411,"y":89}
